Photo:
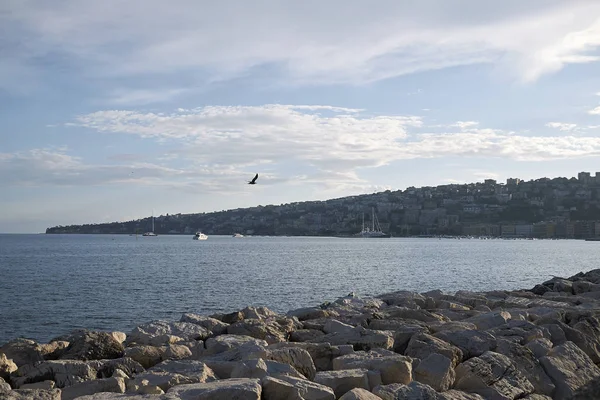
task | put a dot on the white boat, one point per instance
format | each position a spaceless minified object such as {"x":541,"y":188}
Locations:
{"x":238,"y":235}
{"x":200,"y":236}
{"x":374,"y":231}
{"x":151,"y":233}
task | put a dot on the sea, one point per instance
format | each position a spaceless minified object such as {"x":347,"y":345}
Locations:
{"x":53,"y":284}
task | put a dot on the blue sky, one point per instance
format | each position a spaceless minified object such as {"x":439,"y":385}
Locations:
{"x":109,"y":110}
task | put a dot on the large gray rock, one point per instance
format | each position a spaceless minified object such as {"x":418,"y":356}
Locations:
{"x":422,"y":345}
{"x":306,"y":335}
{"x":190,"y":368}
{"x":63,"y":372}
{"x":158,"y":333}
{"x":525,"y":362}
{"x":490,"y":320}
{"x":344,"y":380}
{"x":22,"y":351}
{"x":309,"y":390}
{"x":458,"y":395}
{"x":32,"y":394}
{"x":361,"y":338}
{"x":213,"y":325}
{"x":414,"y":390}
{"x":522,"y":331}
{"x":401,"y":330}
{"x":271,"y":330}
{"x":7,"y":366}
{"x":107,"y":368}
{"x":224,"y":343}
{"x":162,"y":379}
{"x":259,"y":368}
{"x":359,"y":394}
{"x":322,"y":354}
{"x":115,"y":385}
{"x":414,"y":314}
{"x":276,"y":389}
{"x":493,"y":376}
{"x":436,"y":371}
{"x":404,"y":299}
{"x":89,"y":345}
{"x":226,"y":389}
{"x":298,"y":358}
{"x":569,"y":368}
{"x":394,"y":368}
{"x":311,"y":313}
{"x":471,"y":343}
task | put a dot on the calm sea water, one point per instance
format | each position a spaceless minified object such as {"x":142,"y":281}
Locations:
{"x":51,"y":284}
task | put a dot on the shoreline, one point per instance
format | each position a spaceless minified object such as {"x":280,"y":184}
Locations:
{"x":537,"y":343}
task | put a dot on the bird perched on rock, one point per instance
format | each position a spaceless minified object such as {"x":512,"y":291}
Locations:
{"x":253,"y":181}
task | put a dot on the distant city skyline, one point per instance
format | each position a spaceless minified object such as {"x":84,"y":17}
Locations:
{"x":110,"y":110}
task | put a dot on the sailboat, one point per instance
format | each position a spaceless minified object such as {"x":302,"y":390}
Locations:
{"x":375,"y":230}
{"x":151,"y":233}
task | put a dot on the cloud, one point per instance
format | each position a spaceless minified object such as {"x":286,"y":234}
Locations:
{"x":306,"y":42}
{"x":595,"y":111}
{"x":143,"y":96}
{"x":562,"y":126}
{"x":464,"y":124}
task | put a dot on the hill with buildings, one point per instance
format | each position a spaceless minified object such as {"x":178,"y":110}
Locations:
{"x":543,"y":208}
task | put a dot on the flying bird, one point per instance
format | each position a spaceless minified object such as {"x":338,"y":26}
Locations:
{"x":253,"y":181}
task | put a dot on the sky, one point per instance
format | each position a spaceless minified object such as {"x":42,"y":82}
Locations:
{"x":112,"y":110}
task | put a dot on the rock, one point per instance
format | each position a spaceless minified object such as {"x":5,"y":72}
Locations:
{"x":107,"y":368}
{"x":196,"y":370}
{"x":414,"y":390}
{"x":222,"y":343}
{"x":306,"y":335}
{"x":120,"y":337}
{"x":539,"y":347}
{"x":63,"y":372}
{"x":344,"y":380}
{"x":471,"y":343}
{"x":258,"y":313}
{"x":88,"y":345}
{"x":490,"y":320}
{"x":359,"y":394}
{"x":332,"y":325}
{"x":458,"y":395}
{"x":569,"y":368}
{"x":226,"y":389}
{"x":119,"y":373}
{"x":147,"y":356}
{"x":259,"y":368}
{"x":588,"y":392}
{"x":269,"y":330}
{"x":22,"y":351}
{"x":298,"y":358}
{"x":403,"y":298}
{"x":309,"y":390}
{"x":422,"y":345}
{"x":45,"y":385}
{"x":157,"y":333}
{"x":451,"y":326}
{"x":33,"y":394}
{"x":310,"y":313}
{"x":4,"y":387}
{"x":493,"y":376}
{"x":401,"y":330}
{"x":321,"y":353}
{"x":54,"y":349}
{"x":394,"y":368}
{"x":213,"y":325}
{"x":436,"y":371}
{"x":127,"y":396}
{"x":527,"y":364}
{"x":361,"y":338}
{"x":163,"y":380}
{"x":414,"y":314}
{"x":7,"y":366}
{"x":115,"y":385}
{"x":523,"y":331}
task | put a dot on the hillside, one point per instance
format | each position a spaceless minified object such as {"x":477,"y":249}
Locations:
{"x":559,"y":207}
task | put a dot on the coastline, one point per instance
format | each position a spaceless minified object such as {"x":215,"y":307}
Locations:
{"x":537,"y":343}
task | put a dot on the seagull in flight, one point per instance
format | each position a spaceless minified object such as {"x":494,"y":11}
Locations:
{"x":253,"y":181}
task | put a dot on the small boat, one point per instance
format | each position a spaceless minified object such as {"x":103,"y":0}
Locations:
{"x":200,"y":236}
{"x":151,"y":233}
{"x":238,"y":235}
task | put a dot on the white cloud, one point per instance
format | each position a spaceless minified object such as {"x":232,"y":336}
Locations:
{"x":303,"y":42}
{"x":595,"y":111}
{"x":561,"y":126}
{"x":143,"y":96}
{"x":464,"y":124}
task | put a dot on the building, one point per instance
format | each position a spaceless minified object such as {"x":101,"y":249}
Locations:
{"x":524,"y":230}
{"x":513,"y":181}
{"x":584,"y":177}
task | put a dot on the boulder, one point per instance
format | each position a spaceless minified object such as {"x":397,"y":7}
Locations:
{"x":569,"y":368}
{"x":436,"y":371}
{"x":147,"y":356}
{"x":321,"y":353}
{"x":197,"y":370}
{"x":361,"y":338}
{"x":528,"y":365}
{"x":414,"y":390}
{"x":276,"y":389}
{"x":493,"y":376}
{"x":270,"y":330}
{"x":107,"y":368}
{"x":223,"y":343}
{"x":311,"y":313}
{"x":54,"y":349}
{"x":7,"y":366}
{"x":490,"y":320}
{"x":33,"y":394}
{"x":259,"y":368}
{"x":344,"y":380}
{"x":458,"y":395}
{"x":298,"y":358}
{"x":63,"y":372}
{"x":359,"y":394}
{"x":157,"y":333}
{"x":22,"y":351}
{"x":45,"y":385}
{"x":118,"y":336}
{"x":414,"y":314}
{"x":422,"y":345}
{"x":471,"y":343}
{"x":115,"y":385}
{"x":539,"y":347}
{"x":393,"y":368}
{"x":520,"y":330}
{"x":451,"y":326}
{"x":226,"y":389}
{"x":403,"y":298}
{"x":309,"y":390}
{"x":89,"y":345}
{"x":213,"y":325}
{"x":163,"y":380}
{"x":401,"y":330}
{"x":306,"y":335}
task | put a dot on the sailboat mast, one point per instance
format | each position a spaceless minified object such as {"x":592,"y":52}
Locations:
{"x":153,"y":221}
{"x":373,"y":219}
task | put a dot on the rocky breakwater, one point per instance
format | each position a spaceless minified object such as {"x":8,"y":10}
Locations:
{"x":536,"y":344}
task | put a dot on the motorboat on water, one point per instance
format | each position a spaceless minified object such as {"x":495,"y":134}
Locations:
{"x":200,"y":236}
{"x":238,"y":235}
